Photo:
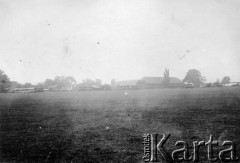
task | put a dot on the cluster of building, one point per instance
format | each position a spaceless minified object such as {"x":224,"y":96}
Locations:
{"x":220,"y":84}
{"x":147,"y":83}
{"x":143,"y":83}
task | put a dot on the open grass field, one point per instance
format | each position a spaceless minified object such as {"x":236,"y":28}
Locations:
{"x":107,"y":126}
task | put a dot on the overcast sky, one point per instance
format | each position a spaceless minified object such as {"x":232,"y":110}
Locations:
{"x":121,"y":39}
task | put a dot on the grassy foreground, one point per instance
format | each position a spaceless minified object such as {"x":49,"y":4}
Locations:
{"x":107,"y":126}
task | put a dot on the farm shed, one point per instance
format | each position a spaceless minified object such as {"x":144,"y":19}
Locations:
{"x":127,"y":84}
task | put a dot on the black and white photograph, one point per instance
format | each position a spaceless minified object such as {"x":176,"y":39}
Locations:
{"x":119,"y":81}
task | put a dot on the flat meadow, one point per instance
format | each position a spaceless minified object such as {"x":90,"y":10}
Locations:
{"x":107,"y":126}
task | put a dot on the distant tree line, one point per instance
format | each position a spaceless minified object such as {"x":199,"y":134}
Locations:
{"x":60,"y":82}
{"x":193,"y":76}
{"x":4,"y":82}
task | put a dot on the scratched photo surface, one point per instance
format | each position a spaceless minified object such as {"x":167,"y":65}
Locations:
{"x":85,"y":80}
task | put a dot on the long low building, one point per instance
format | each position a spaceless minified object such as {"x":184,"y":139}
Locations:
{"x":127,"y":84}
{"x":24,"y":90}
{"x":157,"y":82}
{"x":29,"y":90}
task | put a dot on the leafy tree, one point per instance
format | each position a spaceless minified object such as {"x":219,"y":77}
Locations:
{"x":15,"y":84}
{"x":88,"y":82}
{"x":60,"y":82}
{"x":166,"y":80}
{"x":226,"y":80}
{"x":217,"y":81}
{"x":27,"y":85}
{"x":63,"y":82}
{"x":68,"y":82}
{"x":49,"y":82}
{"x":203,"y":79}
{"x":4,"y":82}
{"x":194,"y":76}
{"x":39,"y":85}
{"x":99,"y":81}
{"x":113,"y":82}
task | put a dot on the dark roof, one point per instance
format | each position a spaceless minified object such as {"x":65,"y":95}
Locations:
{"x":175,"y":80}
{"x":159,"y":80}
{"x":153,"y":80}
